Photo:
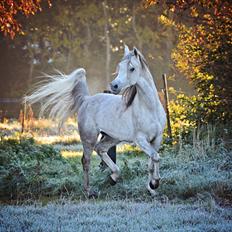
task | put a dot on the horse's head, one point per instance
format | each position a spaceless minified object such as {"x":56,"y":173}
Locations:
{"x":128,"y":70}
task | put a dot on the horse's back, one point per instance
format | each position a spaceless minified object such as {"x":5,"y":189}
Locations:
{"x":108,"y":113}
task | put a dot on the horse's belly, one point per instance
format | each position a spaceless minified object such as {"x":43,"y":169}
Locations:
{"x":118,"y":130}
{"x":116,"y":123}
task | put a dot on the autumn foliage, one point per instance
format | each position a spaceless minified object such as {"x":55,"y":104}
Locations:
{"x":10,"y":9}
{"x":203,"y":54}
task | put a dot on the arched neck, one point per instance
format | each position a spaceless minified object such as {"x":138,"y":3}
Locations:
{"x":147,"y":90}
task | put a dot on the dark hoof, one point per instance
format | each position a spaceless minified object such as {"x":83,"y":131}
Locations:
{"x":92,"y":194}
{"x":154,"y":186}
{"x":112,"y":182}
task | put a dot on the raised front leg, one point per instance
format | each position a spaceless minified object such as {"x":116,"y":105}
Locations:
{"x":153,"y":165}
{"x":101,"y":148}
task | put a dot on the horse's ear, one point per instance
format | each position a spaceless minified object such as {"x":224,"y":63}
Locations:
{"x":126,"y":50}
{"x":140,"y":57}
{"x":135,"y":51}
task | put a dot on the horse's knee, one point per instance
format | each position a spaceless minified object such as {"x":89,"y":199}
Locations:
{"x":85,"y":162}
{"x":99,"y":148}
{"x":155,"y":158}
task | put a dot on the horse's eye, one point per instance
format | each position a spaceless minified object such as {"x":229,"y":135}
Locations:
{"x":132,"y":69}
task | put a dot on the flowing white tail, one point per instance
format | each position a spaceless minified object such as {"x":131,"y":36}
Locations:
{"x":62,"y":96}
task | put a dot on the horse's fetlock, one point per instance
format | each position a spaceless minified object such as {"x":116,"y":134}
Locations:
{"x":114,"y":176}
{"x":117,"y":170}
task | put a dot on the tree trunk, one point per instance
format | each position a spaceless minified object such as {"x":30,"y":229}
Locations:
{"x":31,"y":67}
{"x":169,"y":44}
{"x":140,"y":44}
{"x":88,"y":41}
{"x":69,"y":58}
{"x":107,"y":40}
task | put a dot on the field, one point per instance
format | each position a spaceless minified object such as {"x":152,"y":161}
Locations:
{"x":115,"y":216}
{"x":41,"y":185}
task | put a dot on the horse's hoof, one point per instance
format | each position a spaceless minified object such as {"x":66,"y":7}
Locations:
{"x":154,"y":185}
{"x":113,"y":178}
{"x":92,"y":194}
{"x":112,"y":181}
{"x":151,"y":190}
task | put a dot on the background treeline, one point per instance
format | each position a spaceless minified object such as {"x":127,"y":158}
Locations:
{"x":87,"y":34}
{"x":188,"y":40}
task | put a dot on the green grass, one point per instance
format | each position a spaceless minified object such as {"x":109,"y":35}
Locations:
{"x":31,"y":171}
{"x":41,"y":187}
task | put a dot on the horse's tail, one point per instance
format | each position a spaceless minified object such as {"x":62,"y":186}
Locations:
{"x":62,"y":96}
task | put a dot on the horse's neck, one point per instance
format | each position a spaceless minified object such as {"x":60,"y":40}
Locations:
{"x":147,"y":91}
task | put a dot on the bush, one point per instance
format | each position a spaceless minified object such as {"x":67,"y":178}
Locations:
{"x":28,"y":170}
{"x":192,"y":115}
{"x":31,"y":171}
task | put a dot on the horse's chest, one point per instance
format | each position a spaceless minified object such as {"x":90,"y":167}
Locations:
{"x":146,"y":121}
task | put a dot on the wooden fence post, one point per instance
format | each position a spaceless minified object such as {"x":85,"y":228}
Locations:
{"x":166,"y":98}
{"x":2,"y":116}
{"x":24,"y":116}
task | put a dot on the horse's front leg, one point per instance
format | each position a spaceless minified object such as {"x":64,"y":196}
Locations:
{"x":154,"y":176}
{"x":153,"y":165}
{"x":101,"y":148}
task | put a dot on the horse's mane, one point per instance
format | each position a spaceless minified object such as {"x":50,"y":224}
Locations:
{"x":142,"y":61}
{"x":129,"y":95}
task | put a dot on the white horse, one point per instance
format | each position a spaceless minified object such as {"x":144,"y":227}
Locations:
{"x":137,"y":116}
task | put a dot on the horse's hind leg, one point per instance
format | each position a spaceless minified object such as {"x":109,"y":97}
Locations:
{"x":87,"y":151}
{"x":101,"y":148}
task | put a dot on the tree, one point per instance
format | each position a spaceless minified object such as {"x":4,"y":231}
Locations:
{"x":91,"y":34}
{"x":73,"y":34}
{"x":204,"y":54}
{"x":10,"y":9}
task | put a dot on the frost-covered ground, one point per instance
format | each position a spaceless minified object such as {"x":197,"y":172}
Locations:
{"x":195,"y":192}
{"x":114,"y":216}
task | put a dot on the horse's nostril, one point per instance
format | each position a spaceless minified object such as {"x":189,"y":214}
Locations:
{"x":115,"y":86}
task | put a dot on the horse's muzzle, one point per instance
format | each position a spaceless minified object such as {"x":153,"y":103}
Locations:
{"x":115,"y":87}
